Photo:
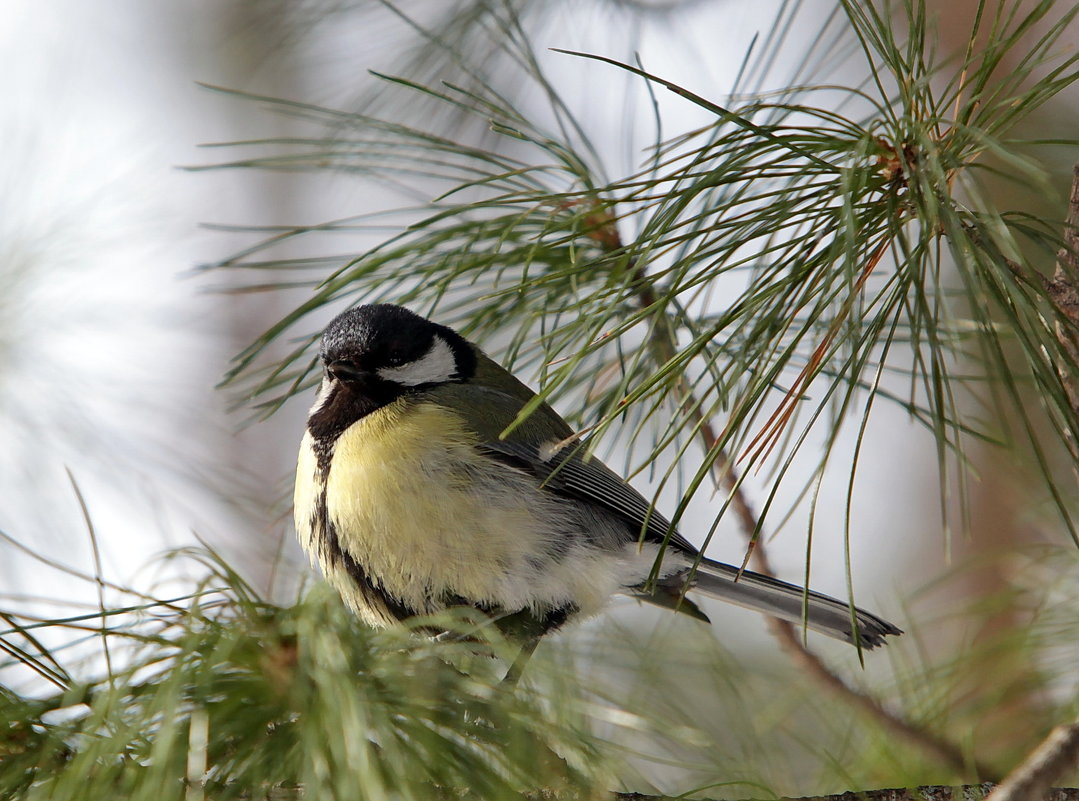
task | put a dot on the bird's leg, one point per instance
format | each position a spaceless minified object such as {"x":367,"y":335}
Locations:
{"x":513,"y":675}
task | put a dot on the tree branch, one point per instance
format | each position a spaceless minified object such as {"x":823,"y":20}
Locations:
{"x":664,"y":346}
{"x":1063,"y":293}
{"x":931,"y":744}
{"x":1065,"y":296}
{"x":935,"y":792}
{"x":1057,"y":755}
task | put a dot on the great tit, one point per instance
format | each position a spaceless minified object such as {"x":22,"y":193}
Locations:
{"x":411,"y":500}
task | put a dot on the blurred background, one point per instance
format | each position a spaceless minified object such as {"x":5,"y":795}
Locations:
{"x":113,"y":337}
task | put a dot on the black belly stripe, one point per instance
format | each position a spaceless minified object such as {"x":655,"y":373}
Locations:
{"x":373,"y":593}
{"x":340,"y":410}
{"x":521,"y":624}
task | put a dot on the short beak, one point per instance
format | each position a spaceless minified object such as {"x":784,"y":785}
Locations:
{"x":345,"y":370}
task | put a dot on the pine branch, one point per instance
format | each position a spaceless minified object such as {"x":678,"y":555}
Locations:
{"x":1063,"y":292}
{"x":844,"y":225}
{"x":965,"y":792}
{"x":726,"y":476}
{"x":937,"y":792}
{"x":1054,"y":758}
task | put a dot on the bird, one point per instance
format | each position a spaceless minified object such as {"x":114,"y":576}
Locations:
{"x":418,"y":489}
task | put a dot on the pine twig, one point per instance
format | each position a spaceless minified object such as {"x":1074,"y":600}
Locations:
{"x":665,"y":347}
{"x":1053,"y":758}
{"x":1065,"y":296}
{"x":935,"y":792}
{"x":935,"y":746}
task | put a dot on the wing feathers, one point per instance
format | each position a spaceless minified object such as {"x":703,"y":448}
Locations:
{"x":567,"y":473}
{"x":593,"y":482}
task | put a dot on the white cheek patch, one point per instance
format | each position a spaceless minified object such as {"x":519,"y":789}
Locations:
{"x":323,"y":395}
{"x":436,"y":366}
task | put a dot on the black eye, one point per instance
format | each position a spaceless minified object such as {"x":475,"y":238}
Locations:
{"x":395,"y":355}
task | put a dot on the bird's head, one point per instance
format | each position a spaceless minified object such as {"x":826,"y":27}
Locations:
{"x":383,"y":350}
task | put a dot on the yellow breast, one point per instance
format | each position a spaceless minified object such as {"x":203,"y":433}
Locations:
{"x":424,"y":513}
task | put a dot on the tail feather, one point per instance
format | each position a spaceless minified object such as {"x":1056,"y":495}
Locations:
{"x":791,"y":603}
